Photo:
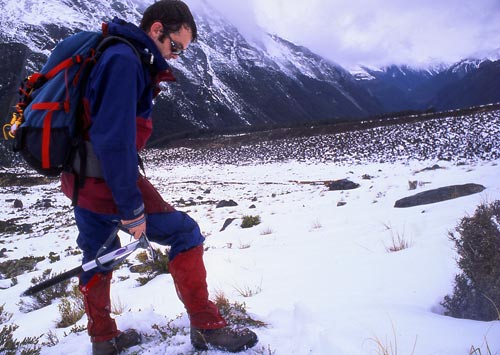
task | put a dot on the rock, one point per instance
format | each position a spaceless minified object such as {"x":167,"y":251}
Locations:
{"x":343,"y":184}
{"x":438,"y":195}
{"x":341,"y":203}
{"x":227,"y":222}
{"x":434,"y":167}
{"x":412,"y":185}
{"x":18,"y":203}
{"x":184,"y":203}
{"x":225,"y":203}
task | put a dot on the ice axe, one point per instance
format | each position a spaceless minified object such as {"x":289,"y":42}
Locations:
{"x":106,"y":261}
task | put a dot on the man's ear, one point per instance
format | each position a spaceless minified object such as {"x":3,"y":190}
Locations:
{"x":156,"y":29}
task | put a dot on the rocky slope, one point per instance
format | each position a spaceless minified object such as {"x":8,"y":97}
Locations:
{"x":224,"y":80}
{"x":452,"y":136}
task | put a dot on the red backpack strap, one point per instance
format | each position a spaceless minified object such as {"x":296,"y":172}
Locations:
{"x":104,"y":29}
{"x":63,"y":65}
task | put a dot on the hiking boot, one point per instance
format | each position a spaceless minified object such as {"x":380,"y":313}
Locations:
{"x":223,"y":339}
{"x":124,"y":340}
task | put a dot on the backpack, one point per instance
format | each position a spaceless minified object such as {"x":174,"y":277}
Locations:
{"x":47,"y":125}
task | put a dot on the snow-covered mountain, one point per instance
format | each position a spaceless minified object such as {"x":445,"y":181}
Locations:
{"x":227,"y":81}
{"x":469,"y":82}
{"x":395,"y":86}
{"x":224,"y":80}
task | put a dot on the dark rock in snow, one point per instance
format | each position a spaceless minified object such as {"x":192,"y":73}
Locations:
{"x":227,"y":222}
{"x":343,"y":184}
{"x":18,"y":203}
{"x":438,"y":195}
{"x":225,"y":203}
{"x":434,"y":167}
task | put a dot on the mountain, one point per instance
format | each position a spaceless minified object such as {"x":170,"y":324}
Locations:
{"x":224,"y":80}
{"x":395,"y":86}
{"x":476,"y":83}
{"x":470,"y":82}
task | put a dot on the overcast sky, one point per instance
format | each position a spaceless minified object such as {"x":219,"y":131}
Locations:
{"x":376,"y":33}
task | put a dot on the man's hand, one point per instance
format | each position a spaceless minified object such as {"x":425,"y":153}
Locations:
{"x":136,"y":226}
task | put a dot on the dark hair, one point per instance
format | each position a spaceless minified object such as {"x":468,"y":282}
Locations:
{"x":173,"y":14}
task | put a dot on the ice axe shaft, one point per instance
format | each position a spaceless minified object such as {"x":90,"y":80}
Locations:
{"x":114,"y":257}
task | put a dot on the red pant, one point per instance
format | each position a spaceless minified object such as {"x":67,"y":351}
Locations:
{"x":189,"y":274}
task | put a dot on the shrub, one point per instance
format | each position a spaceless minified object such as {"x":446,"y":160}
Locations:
{"x":476,"y":293}
{"x":4,"y":316}
{"x":150,"y":269}
{"x":16,"y":267}
{"x":53,"y":257}
{"x":44,"y":297}
{"x":250,"y":221}
{"x":10,"y":345}
{"x":71,"y":308}
{"x":170,"y":330}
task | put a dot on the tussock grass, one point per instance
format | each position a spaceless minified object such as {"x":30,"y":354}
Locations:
{"x":266,"y":231}
{"x":398,"y":243}
{"x":316,"y":225}
{"x":390,"y":346}
{"x":477,"y":351}
{"x":247,"y":291}
{"x":235,"y":313}
{"x":398,"y":240}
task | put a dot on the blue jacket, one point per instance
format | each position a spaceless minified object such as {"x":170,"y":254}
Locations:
{"x":118,"y":104}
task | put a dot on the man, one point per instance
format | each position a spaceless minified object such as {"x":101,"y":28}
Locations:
{"x":117,"y":109}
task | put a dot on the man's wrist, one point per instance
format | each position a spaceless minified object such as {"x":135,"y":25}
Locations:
{"x":132,"y":223}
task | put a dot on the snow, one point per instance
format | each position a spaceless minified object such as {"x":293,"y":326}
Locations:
{"x":318,"y":273}
{"x":321,"y":275}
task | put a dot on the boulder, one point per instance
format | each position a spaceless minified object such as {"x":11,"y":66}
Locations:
{"x":227,"y":222}
{"x":225,"y":203}
{"x":343,"y":184}
{"x":438,"y":195}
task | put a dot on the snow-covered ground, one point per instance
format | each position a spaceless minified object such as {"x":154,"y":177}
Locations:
{"x":319,"y":274}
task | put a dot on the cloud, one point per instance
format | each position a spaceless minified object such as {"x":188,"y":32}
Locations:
{"x":352,"y":32}
{"x":239,"y":13}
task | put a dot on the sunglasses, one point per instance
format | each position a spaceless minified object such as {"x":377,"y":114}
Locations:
{"x":174,"y":47}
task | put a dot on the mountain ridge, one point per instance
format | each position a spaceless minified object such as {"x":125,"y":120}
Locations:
{"x":226,"y":81}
